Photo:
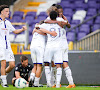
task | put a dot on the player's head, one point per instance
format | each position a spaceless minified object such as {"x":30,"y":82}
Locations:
{"x":60,"y":10}
{"x":4,"y":11}
{"x":24,"y":60}
{"x":53,"y":15}
{"x":52,"y":8}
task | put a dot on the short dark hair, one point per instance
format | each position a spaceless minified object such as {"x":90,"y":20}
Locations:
{"x":3,"y":7}
{"x":53,"y":15}
{"x":23,"y":58}
{"x":59,"y":6}
{"x":54,"y":5}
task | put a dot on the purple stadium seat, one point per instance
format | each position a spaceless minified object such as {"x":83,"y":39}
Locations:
{"x":95,"y":27}
{"x":90,"y":22}
{"x":77,"y":9}
{"x":68,"y":10}
{"x":16,"y":18}
{"x":75,"y":22}
{"x":64,"y":3}
{"x":71,"y":5}
{"x":91,"y":12}
{"x":33,"y":26}
{"x":68,"y":13}
{"x":80,"y":35}
{"x":97,"y":20}
{"x":71,"y":36}
{"x":74,"y":30}
{"x":91,"y":2}
{"x":31,"y":14}
{"x":85,"y":28}
{"x":79,"y":5}
{"x":30,"y":30}
{"x":36,"y":21}
{"x":68,"y":18}
{"x":30,"y":38}
{"x":18,"y":13}
{"x":43,"y":14}
{"x":29,"y":18}
{"x":42,"y":17}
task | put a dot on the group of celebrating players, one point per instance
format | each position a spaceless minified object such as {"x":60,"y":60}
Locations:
{"x":48,"y":45}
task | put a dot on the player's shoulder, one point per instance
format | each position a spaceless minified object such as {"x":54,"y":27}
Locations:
{"x":59,"y":19}
{"x":30,"y":65}
{"x":7,"y":21}
{"x":43,"y":25}
{"x":18,"y":65}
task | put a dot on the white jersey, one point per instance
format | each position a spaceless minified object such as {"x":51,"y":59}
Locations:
{"x":51,"y":40}
{"x":5,"y":28}
{"x":64,"y":38}
{"x":38,"y":40}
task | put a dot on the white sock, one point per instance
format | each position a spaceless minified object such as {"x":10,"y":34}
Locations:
{"x":58,"y":76}
{"x":36,"y":81}
{"x":48,"y":74}
{"x":69,"y":75}
{"x":4,"y":80}
{"x":53,"y":75}
{"x":32,"y":76}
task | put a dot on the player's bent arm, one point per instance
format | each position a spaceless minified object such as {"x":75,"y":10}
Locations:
{"x":60,"y":23}
{"x":53,"y":33}
{"x":68,"y":25}
{"x":39,"y":32}
{"x":17,"y":31}
{"x":17,"y":74}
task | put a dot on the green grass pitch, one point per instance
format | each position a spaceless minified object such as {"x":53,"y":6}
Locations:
{"x":45,"y":88}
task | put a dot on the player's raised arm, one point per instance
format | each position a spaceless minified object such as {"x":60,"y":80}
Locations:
{"x":68,"y":25}
{"x":60,"y":23}
{"x":17,"y":31}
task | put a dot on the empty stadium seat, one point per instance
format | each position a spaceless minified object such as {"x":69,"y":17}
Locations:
{"x":71,"y":36}
{"x":80,"y":35}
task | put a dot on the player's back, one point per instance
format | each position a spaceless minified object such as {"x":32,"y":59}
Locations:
{"x":38,"y":40}
{"x":54,"y":41}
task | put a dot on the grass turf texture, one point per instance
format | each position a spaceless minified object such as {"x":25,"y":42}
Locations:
{"x":45,"y":88}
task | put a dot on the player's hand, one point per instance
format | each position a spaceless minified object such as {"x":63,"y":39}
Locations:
{"x":34,"y":30}
{"x":24,"y":28}
{"x":53,"y":33}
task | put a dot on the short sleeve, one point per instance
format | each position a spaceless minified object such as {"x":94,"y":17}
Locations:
{"x":43,"y":26}
{"x":17,"y":68}
{"x":60,"y":19}
{"x":30,"y":67}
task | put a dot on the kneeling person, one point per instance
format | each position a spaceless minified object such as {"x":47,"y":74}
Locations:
{"x":22,"y":70}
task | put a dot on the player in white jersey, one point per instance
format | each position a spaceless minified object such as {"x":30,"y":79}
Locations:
{"x":6,"y":54}
{"x":53,"y":50}
{"x":37,"y":52}
{"x":65,"y":49}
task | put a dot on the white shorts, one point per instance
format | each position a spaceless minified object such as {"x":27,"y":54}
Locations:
{"x":65,"y":55}
{"x":6,"y":54}
{"x":37,"y":55}
{"x":53,"y":53}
